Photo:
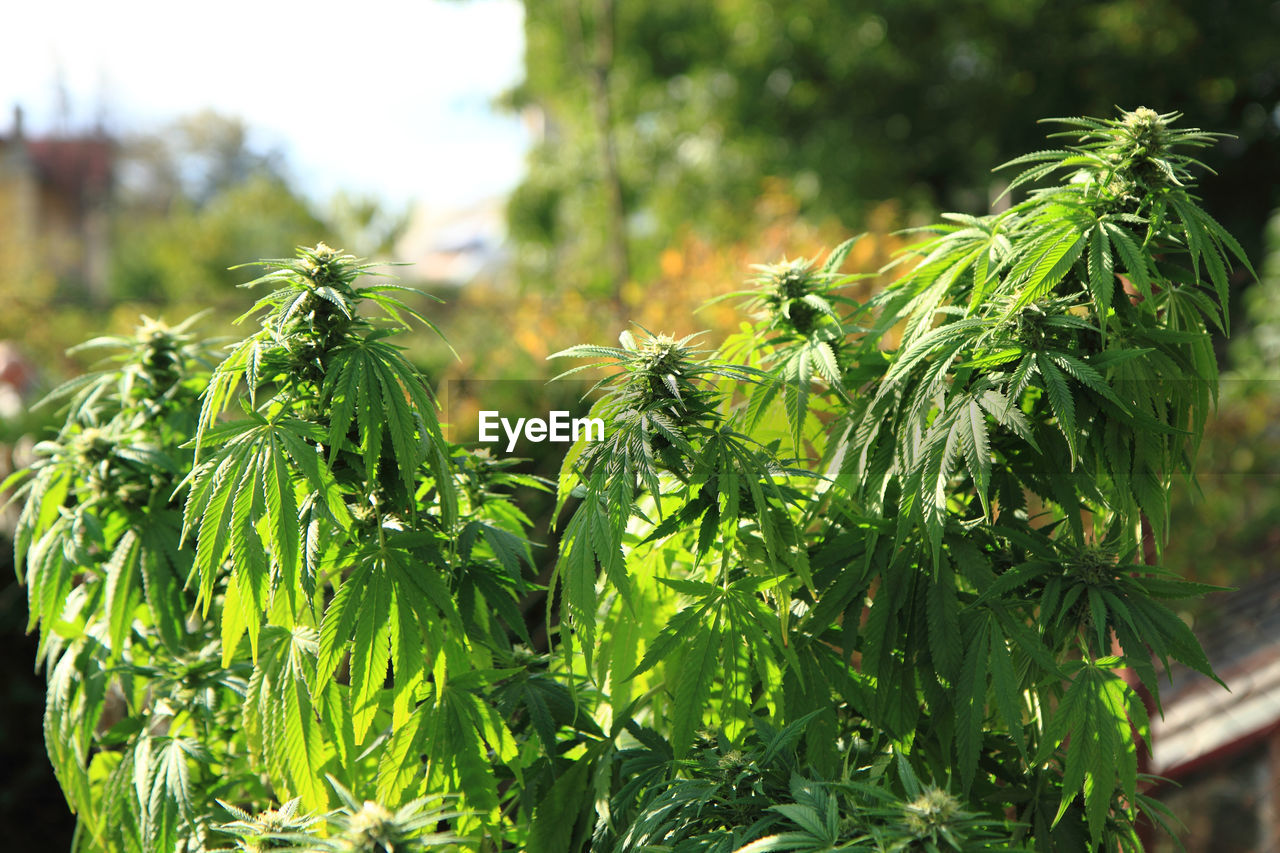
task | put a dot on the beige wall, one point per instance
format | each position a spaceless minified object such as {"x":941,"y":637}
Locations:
{"x":46,"y":238}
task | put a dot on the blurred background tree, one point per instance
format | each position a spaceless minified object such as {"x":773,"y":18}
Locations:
{"x":195,"y":199}
{"x":665,"y":115}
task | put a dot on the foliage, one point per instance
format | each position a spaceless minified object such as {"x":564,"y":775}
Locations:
{"x":869,"y":576}
{"x":187,"y":249}
{"x":199,"y":196}
{"x":1235,"y":518}
{"x":853,"y":102}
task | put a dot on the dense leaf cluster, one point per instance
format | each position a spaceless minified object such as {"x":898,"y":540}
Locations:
{"x":870,"y":577}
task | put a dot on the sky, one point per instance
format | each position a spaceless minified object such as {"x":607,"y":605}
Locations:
{"x":383,"y":97}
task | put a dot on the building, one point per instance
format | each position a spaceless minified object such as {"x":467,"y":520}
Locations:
{"x":455,"y":246}
{"x":55,"y":194}
{"x":1220,"y":750}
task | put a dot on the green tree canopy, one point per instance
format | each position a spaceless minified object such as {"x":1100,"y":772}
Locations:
{"x":195,"y":199}
{"x":851,"y":103}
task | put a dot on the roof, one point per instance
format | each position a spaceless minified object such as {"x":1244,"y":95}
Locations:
{"x":1240,"y":633}
{"x":73,"y":165}
{"x":455,"y":246}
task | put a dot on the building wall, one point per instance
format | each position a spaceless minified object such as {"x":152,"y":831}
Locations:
{"x":54,"y":218}
{"x":19,"y":252}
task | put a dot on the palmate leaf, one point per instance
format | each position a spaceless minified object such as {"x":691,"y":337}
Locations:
{"x":118,"y":827}
{"x":1045,"y":264}
{"x":282,"y":723}
{"x":370,"y":380}
{"x":303,"y":740}
{"x":415,"y":640}
{"x":370,"y":652}
{"x":44,"y":494}
{"x":971,"y":700}
{"x":929,"y":474}
{"x":338,"y":624}
{"x":1006,"y":690}
{"x":1208,"y":242}
{"x":922,"y":310}
{"x":797,"y":376}
{"x":165,"y":568}
{"x":942,"y":611}
{"x":1087,"y":376}
{"x":838,"y":256}
{"x":1169,"y":636}
{"x":1060,"y":402}
{"x":971,"y":425}
{"x":594,"y":537}
{"x":946,"y":338}
{"x":209,"y":508}
{"x":243,"y":605}
{"x":678,"y":629}
{"x":1093,"y":718}
{"x":457,"y":733}
{"x":576,"y":573}
{"x":557,"y":816}
{"x":725,"y":638}
{"x":74,"y":701}
{"x":694,"y":683}
{"x":1137,"y":264}
{"x":400,"y":775}
{"x":123,"y":590}
{"x":392,"y":611}
{"x":281,"y":519}
{"x":243,"y":500}
{"x":48,"y":578}
{"x":172,"y":796}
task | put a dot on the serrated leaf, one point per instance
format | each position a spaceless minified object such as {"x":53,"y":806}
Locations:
{"x":370,"y":652}
{"x":1004,"y":687}
{"x":1101,"y":269}
{"x":971,"y":697}
{"x":943,"y":612}
{"x":693,"y":686}
{"x":1047,"y":267}
{"x":1060,"y":402}
{"x":971,"y":423}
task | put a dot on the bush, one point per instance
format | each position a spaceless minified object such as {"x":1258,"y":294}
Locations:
{"x":871,"y":576}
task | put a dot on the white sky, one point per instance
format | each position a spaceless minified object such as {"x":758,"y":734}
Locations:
{"x":376,"y":96}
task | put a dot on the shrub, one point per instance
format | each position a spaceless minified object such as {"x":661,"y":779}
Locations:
{"x":870,"y":576}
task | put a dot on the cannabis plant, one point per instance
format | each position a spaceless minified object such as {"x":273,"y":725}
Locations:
{"x":966,"y":583}
{"x":870,"y":576}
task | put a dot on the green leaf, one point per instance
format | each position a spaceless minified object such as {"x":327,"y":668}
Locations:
{"x":838,"y":255}
{"x":1136,"y":263}
{"x":1101,"y":268}
{"x":400,"y":766}
{"x":282,"y":517}
{"x":693,"y":685}
{"x":339,"y":623}
{"x":162,"y":583}
{"x":370,"y":651}
{"x":971,"y":422}
{"x":558,"y":815}
{"x":1038,"y":273}
{"x":971,"y":699}
{"x":1060,"y":401}
{"x":1005,"y":689}
{"x":943,"y":612}
{"x":303,"y":743}
{"x":123,"y":570}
